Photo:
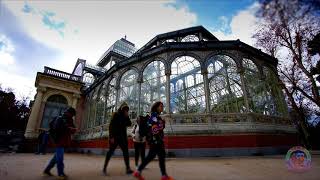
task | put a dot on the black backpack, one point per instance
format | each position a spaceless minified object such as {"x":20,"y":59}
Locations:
{"x":56,"y":128}
{"x":143,"y":126}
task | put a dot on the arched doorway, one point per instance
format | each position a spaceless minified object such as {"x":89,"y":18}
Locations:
{"x":55,"y":106}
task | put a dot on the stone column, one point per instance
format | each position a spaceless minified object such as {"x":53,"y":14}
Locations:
{"x":31,"y":130}
{"x":168,"y":92}
{"x":75,"y":98}
{"x":206,"y":89}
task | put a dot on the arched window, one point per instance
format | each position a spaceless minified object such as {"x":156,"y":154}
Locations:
{"x":129,"y":91}
{"x":55,"y":106}
{"x":153,"y":86}
{"x":57,"y":99}
{"x":226,"y":94}
{"x":190,"y":38}
{"x":111,"y":100}
{"x":88,"y":79}
{"x":188,"y":94}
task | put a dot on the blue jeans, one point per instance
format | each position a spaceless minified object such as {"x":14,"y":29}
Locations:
{"x":57,"y":159}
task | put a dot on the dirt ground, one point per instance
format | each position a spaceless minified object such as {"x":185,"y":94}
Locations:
{"x":83,"y":167}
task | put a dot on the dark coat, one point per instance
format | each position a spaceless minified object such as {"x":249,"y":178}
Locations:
{"x":118,"y":127}
{"x":65,"y":137}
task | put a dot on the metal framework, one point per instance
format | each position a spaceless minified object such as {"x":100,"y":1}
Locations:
{"x":200,"y":79}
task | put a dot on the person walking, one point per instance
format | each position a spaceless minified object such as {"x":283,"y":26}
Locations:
{"x":42,"y":141}
{"x":156,"y":142}
{"x":118,"y":136}
{"x":61,"y":130}
{"x":139,"y":140}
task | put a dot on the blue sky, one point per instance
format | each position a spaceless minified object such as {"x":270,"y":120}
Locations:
{"x":209,"y":13}
{"x":34,"y":34}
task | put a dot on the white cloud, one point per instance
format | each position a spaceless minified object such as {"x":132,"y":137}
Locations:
{"x":6,"y":51}
{"x":242,"y":25}
{"x":91,"y":27}
{"x":21,"y":85}
{"x":9,"y":74}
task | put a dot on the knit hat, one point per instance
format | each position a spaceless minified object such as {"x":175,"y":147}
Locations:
{"x":123,"y":105}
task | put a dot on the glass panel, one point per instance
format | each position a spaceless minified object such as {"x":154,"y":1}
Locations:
{"x":187,"y":89}
{"x":129,"y":92}
{"x":257,"y":97}
{"x":93,"y":108}
{"x":168,"y":40}
{"x":153,"y":86}
{"x":111,"y":100}
{"x":109,"y":65}
{"x":79,"y":69}
{"x":275,"y":99}
{"x":224,"y":85}
{"x":100,"y":105}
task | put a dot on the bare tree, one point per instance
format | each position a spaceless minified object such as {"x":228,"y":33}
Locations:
{"x":286,"y":28}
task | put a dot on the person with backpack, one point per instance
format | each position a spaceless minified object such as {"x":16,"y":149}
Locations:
{"x":61,"y":129}
{"x":42,"y":141}
{"x":139,"y":138}
{"x":156,"y":143}
{"x":118,"y":136}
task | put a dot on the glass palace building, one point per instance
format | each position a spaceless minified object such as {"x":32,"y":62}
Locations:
{"x":220,"y":97}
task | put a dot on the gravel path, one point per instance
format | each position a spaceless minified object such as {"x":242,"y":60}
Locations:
{"x":83,"y":167}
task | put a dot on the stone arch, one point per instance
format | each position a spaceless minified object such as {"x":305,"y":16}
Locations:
{"x":56,"y":92}
{"x":52,"y":109}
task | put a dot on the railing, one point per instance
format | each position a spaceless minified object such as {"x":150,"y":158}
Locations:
{"x":61,"y":74}
{"x":208,"y":124}
{"x":225,"y":118}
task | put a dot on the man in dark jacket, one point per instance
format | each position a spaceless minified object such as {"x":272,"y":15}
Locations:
{"x":118,"y":136}
{"x":62,"y":142}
